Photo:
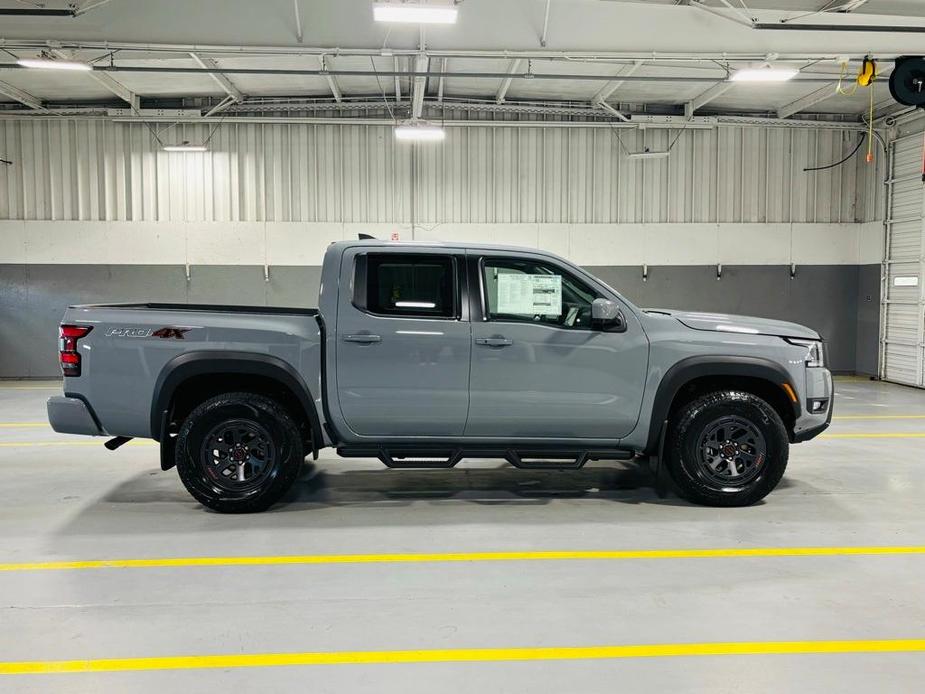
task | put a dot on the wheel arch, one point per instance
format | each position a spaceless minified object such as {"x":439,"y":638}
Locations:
{"x":205,"y":366}
{"x":696,"y":375}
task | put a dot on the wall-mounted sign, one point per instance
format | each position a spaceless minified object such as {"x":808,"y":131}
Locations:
{"x":909,"y":281}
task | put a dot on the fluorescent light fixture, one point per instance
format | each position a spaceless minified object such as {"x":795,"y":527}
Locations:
{"x":419,"y":131}
{"x":764,"y":74}
{"x":415,"y":304}
{"x":414,"y":12}
{"x":184,"y":147}
{"x":648,"y":155}
{"x":47,"y":64}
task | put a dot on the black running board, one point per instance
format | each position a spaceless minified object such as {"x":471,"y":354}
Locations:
{"x":436,"y":457}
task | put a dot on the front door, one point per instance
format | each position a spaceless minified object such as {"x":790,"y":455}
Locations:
{"x":539,"y":367}
{"x":403,"y":343}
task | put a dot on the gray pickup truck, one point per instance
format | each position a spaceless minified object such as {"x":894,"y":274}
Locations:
{"x":422,"y":354}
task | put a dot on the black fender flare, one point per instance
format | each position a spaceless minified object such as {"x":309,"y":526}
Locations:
{"x":686,"y":370}
{"x":204,"y":362}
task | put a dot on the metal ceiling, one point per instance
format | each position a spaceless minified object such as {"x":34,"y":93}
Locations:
{"x":603,"y":59}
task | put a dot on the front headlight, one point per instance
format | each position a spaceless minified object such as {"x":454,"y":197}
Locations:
{"x":815,"y":355}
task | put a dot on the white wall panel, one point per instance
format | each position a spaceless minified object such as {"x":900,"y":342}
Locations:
{"x":86,"y":170}
{"x":304,"y":243}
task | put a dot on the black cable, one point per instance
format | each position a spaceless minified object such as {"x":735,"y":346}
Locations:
{"x":838,"y":163}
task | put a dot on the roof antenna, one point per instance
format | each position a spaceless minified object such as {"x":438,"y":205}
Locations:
{"x":366,"y":237}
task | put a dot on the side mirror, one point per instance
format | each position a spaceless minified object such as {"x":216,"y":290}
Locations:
{"x":606,"y":315}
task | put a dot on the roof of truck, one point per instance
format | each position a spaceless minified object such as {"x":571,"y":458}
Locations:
{"x":440,"y":244}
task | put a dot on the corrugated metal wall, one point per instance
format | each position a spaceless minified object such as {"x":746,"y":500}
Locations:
{"x":903,"y":340}
{"x":100,"y":170}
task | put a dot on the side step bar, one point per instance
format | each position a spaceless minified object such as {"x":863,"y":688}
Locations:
{"x":445,"y":458}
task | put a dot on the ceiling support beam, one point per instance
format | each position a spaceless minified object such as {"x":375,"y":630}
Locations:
{"x":90,"y":6}
{"x":814,"y":97}
{"x":443,"y":63}
{"x":545,"y":25}
{"x":22,"y":97}
{"x":117,"y":88}
{"x":706,"y":97}
{"x":418,"y":86}
{"x":220,"y":106}
{"x":208,"y":63}
{"x":609,"y":88}
{"x":732,"y":18}
{"x":506,"y":82}
{"x":332,"y":83}
{"x":298,"y":20}
{"x":603,"y":105}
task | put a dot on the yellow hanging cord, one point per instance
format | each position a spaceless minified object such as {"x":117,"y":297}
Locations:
{"x":838,"y":87}
{"x":870,"y":123}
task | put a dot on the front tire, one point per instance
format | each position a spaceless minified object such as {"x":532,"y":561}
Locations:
{"x":239,"y":452}
{"x":727,"y":448}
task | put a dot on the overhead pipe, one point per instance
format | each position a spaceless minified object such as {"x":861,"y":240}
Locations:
{"x":181,"y":48}
{"x":854,"y":28}
{"x":419,"y":73}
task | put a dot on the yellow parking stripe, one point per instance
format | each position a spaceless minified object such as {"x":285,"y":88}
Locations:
{"x":880,"y":416}
{"x":456,"y":655}
{"x":879,"y":435}
{"x":721,"y":553}
{"x":24,"y":425}
{"x":98,"y":441}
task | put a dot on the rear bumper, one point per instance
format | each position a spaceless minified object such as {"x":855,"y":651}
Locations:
{"x":68,"y":415}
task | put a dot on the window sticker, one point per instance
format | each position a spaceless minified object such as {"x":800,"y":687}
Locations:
{"x":530,"y":294}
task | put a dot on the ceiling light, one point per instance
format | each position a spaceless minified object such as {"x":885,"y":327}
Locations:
{"x":184,"y":147}
{"x":648,"y":155}
{"x":414,"y":11}
{"x":48,"y":64}
{"x":419,"y":131}
{"x":765,"y":74}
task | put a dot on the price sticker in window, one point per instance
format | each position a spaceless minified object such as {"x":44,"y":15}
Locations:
{"x":530,"y":294}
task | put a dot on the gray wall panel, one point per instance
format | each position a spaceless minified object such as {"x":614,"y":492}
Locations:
{"x":822,"y":297}
{"x":33,"y":299}
{"x":868,"y":303}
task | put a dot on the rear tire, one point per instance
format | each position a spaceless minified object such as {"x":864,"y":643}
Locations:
{"x":239,"y":453}
{"x":727,"y":448}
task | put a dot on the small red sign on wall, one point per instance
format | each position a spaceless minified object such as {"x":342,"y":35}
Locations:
{"x":395,"y":236}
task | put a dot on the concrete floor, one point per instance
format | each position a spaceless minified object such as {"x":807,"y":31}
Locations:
{"x":70,"y":500}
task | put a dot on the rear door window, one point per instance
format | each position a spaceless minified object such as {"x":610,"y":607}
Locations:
{"x":408,"y":285}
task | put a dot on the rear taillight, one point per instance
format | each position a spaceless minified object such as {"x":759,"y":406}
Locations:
{"x":70,"y":357}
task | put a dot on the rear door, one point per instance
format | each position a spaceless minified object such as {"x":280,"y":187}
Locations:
{"x":539,"y":368}
{"x":403,"y":343}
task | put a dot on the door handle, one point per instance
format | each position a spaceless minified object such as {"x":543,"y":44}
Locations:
{"x":363,"y":338}
{"x":493,"y":341}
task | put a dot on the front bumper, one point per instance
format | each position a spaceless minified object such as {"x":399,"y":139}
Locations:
{"x":68,"y":415}
{"x":818,"y":386}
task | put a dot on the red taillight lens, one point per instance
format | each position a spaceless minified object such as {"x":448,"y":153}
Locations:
{"x":70,"y":358}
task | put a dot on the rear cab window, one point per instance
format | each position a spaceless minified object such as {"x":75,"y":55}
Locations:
{"x":407,"y":285}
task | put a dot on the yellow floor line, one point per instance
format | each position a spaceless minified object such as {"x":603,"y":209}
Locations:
{"x":24,"y":425}
{"x":722,"y":553}
{"x":880,"y":416}
{"x":57,"y":387}
{"x":98,"y":441}
{"x":879,"y":435}
{"x":456,"y":655}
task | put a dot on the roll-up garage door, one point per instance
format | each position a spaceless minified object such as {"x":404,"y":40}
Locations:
{"x":903,"y":344}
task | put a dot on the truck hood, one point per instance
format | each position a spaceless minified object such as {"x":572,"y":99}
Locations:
{"x":745,"y":325}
